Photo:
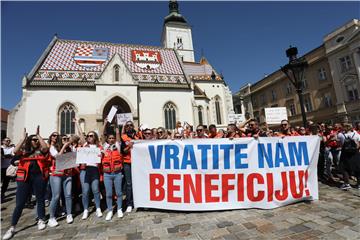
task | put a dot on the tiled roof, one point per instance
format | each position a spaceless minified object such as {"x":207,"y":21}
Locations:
{"x":60,"y":63}
{"x":200,"y":71}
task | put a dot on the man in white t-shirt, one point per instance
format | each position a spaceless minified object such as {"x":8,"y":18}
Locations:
{"x":7,"y":153}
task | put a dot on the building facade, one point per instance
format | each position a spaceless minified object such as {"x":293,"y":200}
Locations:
{"x":159,"y":85}
{"x":331,"y":83}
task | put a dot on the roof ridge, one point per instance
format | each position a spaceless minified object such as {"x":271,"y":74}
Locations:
{"x":116,"y":44}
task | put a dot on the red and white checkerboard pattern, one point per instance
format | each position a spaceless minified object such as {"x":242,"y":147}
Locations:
{"x":84,"y":51}
{"x":61,"y":57}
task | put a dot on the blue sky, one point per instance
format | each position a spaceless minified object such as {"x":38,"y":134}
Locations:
{"x":243,"y":40}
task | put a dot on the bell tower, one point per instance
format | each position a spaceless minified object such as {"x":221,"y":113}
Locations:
{"x":177,"y":33}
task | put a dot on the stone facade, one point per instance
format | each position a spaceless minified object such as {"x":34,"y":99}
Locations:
{"x":331,"y":83}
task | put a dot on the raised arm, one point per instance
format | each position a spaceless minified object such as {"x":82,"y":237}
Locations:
{"x":117,"y":133}
{"x":20,"y":143}
{"x":64,"y":147}
{"x":43,"y":146}
{"x":103,"y":131}
{"x":79,"y":132}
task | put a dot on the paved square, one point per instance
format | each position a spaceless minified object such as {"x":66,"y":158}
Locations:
{"x":335,"y":216}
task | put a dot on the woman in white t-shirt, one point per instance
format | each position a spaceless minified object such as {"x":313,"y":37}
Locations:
{"x":90,"y":177}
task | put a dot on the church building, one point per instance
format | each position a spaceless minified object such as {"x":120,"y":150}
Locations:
{"x":159,"y":85}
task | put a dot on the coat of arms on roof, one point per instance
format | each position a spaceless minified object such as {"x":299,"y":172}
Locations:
{"x":88,"y":56}
{"x":146,"y":59}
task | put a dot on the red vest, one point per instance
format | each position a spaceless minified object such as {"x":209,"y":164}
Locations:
{"x":112,"y":161}
{"x":43,"y":161}
{"x":127,"y":156}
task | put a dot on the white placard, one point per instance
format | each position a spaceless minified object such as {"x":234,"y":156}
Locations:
{"x":111,"y":114}
{"x":66,"y":161}
{"x":236,"y":118}
{"x":195,"y":175}
{"x":275,"y":115}
{"x":122,"y":118}
{"x":88,"y":155}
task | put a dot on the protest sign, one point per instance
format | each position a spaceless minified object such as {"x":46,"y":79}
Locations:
{"x":111,"y":114}
{"x":236,"y":118}
{"x":214,"y":174}
{"x":275,"y":115}
{"x":122,"y":118}
{"x":66,"y":161}
{"x":88,"y":155}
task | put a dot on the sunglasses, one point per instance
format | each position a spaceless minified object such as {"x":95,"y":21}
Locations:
{"x":177,"y":136}
{"x":90,"y":136}
{"x":129,"y":125}
{"x":147,"y":133}
{"x":55,"y":135}
{"x":285,"y":124}
{"x":159,"y":132}
{"x":34,"y":139}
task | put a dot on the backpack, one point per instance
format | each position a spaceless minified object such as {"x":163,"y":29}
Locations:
{"x":349,"y":145}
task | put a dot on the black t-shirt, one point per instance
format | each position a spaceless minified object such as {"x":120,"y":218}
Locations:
{"x":34,"y":167}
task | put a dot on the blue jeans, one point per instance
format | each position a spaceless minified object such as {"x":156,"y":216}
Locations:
{"x":90,"y":177}
{"x":109,"y":179}
{"x":129,"y":195}
{"x":57,"y":184}
{"x":37,"y":184}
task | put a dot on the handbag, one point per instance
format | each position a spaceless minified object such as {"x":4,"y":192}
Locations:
{"x":11,"y":171}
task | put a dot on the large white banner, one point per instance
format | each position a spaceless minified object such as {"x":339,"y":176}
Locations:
{"x":212,"y":174}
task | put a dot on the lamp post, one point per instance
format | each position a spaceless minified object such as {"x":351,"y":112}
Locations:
{"x":294,"y":71}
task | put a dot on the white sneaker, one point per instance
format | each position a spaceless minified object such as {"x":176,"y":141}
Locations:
{"x":129,"y":209}
{"x":52,"y":222}
{"x":9,"y":233}
{"x":42,"y":225}
{"x":109,"y":215}
{"x":98,"y":213}
{"x":69,"y":219}
{"x":85,"y":214}
{"x":120,"y":213}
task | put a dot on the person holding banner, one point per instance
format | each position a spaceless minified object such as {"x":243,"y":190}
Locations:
{"x":90,"y":177}
{"x":32,"y":174}
{"x":200,"y":133}
{"x":129,"y":134}
{"x":112,"y":167}
{"x":213,"y":133}
{"x":60,"y":181}
{"x":232,"y":131}
{"x":285,"y":129}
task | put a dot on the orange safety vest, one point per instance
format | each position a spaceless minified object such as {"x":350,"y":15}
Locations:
{"x":112,"y":161}
{"x":43,"y":161}
{"x":126,"y":139}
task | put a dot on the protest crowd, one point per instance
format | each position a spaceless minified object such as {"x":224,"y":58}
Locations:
{"x":32,"y":162}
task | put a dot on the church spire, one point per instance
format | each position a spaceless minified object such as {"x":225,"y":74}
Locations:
{"x":174,"y":14}
{"x":173,"y":6}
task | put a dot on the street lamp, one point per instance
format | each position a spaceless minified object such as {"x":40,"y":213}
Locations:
{"x":294,"y":71}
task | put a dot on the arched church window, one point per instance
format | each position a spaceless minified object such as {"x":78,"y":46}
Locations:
{"x":67,"y":113}
{"x":217,"y":109}
{"x":200,"y":115}
{"x":170,"y":115}
{"x":116,"y":73}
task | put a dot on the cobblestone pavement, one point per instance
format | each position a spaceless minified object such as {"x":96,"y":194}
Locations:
{"x":335,"y":216}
